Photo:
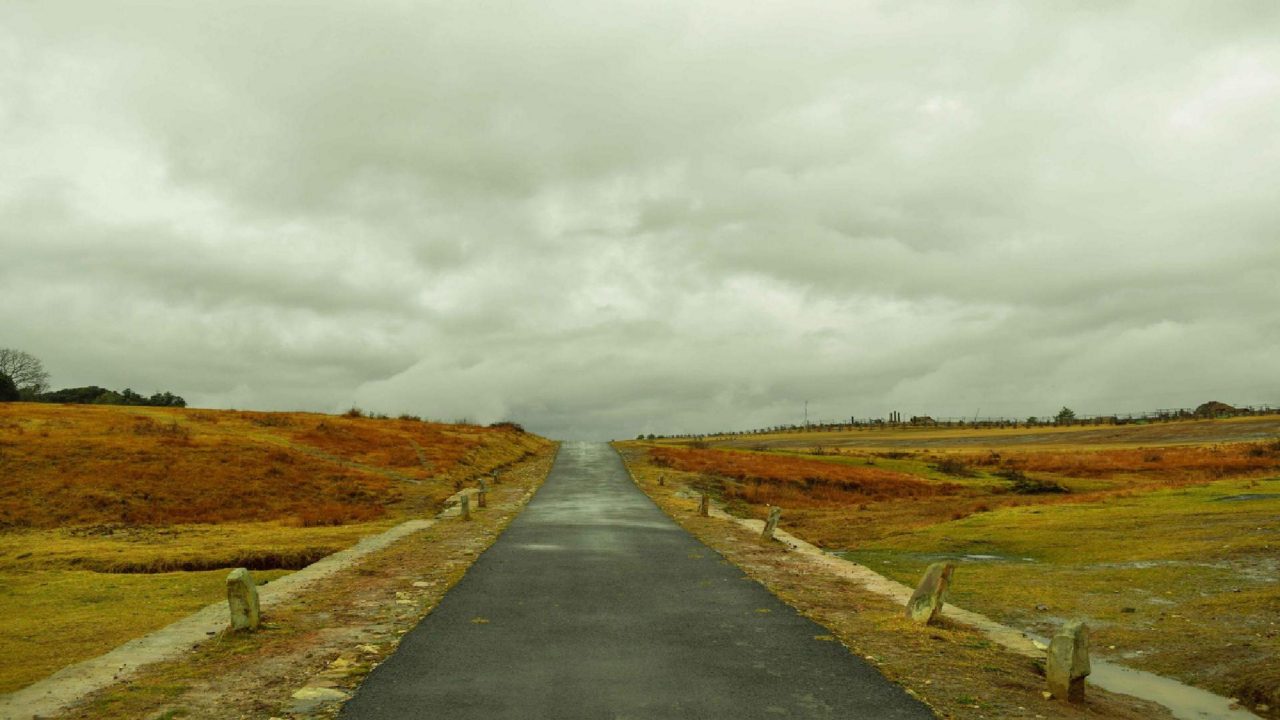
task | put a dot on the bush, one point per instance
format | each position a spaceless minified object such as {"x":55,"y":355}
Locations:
{"x":1026,"y":485}
{"x":953,"y":466}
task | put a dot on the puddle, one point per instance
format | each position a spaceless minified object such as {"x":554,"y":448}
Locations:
{"x":1249,"y":497}
{"x":1184,"y":701}
{"x":894,"y":557}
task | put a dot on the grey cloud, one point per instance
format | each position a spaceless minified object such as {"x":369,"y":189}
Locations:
{"x":602,"y":219}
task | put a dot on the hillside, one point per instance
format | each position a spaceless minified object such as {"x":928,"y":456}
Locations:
{"x":102,"y":506}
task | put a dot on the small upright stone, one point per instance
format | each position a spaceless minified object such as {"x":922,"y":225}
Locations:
{"x":494,"y":475}
{"x":926,"y":602}
{"x":482,"y":497}
{"x":704,"y":505}
{"x":775,"y":514}
{"x":1068,"y":662}
{"x":662,"y":479}
{"x":464,"y":502}
{"x":242,"y":598}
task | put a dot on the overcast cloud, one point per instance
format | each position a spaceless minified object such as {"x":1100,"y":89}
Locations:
{"x":605,"y":218}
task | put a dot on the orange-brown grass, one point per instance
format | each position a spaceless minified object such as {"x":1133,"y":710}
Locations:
{"x":88,"y":465}
{"x":764,"y":478}
{"x":1177,"y":463}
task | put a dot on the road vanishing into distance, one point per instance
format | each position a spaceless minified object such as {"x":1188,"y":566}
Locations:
{"x":594,"y":604}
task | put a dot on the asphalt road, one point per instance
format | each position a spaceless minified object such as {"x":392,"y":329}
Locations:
{"x":594,"y":604}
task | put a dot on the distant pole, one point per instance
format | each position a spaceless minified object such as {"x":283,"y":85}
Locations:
{"x":806,"y":413}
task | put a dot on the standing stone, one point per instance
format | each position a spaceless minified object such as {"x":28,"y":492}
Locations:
{"x":482,"y":497}
{"x":926,"y":602}
{"x":494,"y":475}
{"x":775,"y":514}
{"x":242,"y":598}
{"x":465,"y":503}
{"x":704,"y":505}
{"x":662,"y":479}
{"x":1068,"y":662}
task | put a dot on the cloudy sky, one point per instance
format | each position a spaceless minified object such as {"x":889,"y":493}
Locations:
{"x":604,"y":218}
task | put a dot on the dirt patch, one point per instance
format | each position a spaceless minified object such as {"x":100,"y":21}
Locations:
{"x":326,"y":638}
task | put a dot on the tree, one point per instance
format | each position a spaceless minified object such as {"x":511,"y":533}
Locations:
{"x":25,"y":370}
{"x":1065,"y":416}
{"x":8,"y":391}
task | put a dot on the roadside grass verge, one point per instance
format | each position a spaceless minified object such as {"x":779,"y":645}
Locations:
{"x":101,"y":506}
{"x":332,"y":634}
{"x":1175,"y":568}
{"x":957,"y":670}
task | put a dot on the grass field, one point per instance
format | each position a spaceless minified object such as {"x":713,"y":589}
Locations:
{"x":115,"y":521}
{"x":1170,"y":551}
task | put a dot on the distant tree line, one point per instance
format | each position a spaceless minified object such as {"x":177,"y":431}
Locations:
{"x":94,"y":395}
{"x":23,"y":377}
{"x":1064,"y":417}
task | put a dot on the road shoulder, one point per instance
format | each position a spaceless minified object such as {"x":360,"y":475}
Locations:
{"x":325,"y":640}
{"x":955,"y":669}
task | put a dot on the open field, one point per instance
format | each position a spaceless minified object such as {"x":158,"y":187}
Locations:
{"x":1169,"y":551}
{"x":1241,"y":429}
{"x":104,"y":506}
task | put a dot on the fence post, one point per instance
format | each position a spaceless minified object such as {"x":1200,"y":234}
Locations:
{"x":1068,"y":662}
{"x":482,"y":497}
{"x":465,"y":503}
{"x":775,"y":514}
{"x":242,"y":599}
{"x":704,"y":506}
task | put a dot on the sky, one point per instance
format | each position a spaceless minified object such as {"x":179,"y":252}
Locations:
{"x":610,"y":218}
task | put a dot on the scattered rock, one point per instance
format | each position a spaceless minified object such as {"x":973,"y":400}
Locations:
{"x":309,"y":699}
{"x":926,"y":602}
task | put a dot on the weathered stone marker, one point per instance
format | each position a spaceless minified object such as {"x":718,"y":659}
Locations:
{"x":464,"y":502}
{"x":1068,"y":662}
{"x":926,"y":602}
{"x":704,"y":505}
{"x":775,"y":514}
{"x":242,"y":598}
{"x":482,"y":497}
{"x":662,"y":479}
{"x":494,"y":474}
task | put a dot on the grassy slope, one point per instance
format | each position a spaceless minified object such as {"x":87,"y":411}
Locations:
{"x":101,"y":505}
{"x":1171,"y":577}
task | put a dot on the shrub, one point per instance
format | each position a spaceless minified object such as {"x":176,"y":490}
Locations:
{"x":953,"y":466}
{"x":1026,"y":485}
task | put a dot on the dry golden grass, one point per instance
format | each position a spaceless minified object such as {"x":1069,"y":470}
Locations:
{"x":83,"y":465}
{"x":99,"y":503}
{"x":1181,"y":463}
{"x":773,"y":479}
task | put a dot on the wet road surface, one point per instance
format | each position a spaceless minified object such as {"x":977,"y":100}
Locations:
{"x":595,"y":604}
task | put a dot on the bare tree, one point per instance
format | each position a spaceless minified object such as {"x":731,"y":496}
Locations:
{"x":26,"y":371}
